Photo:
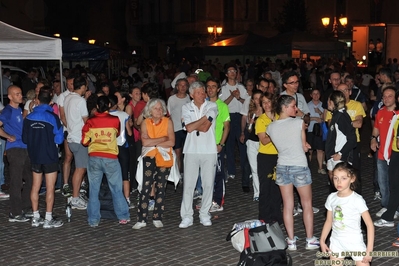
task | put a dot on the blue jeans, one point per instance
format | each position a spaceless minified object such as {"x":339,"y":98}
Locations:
{"x":383,"y":181}
{"x":98,"y":166}
{"x":299,"y":176}
{"x":2,"y":147}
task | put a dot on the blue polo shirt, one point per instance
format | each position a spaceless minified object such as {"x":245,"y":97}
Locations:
{"x":12,"y":124}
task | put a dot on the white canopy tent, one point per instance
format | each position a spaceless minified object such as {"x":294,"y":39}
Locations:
{"x":17,"y":44}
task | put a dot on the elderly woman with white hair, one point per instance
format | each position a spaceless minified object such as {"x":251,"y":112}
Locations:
{"x":158,"y":138}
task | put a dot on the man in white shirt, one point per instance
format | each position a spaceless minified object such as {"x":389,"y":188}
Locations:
{"x":175,"y":104}
{"x":76,"y":115}
{"x":200,"y":152}
{"x":68,"y":156}
{"x":234,"y":95}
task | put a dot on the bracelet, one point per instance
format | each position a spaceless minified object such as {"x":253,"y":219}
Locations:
{"x":221,"y":144}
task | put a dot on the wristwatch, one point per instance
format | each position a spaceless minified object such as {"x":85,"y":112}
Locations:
{"x":373,"y":137}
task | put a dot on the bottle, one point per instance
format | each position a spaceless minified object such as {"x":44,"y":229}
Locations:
{"x":251,"y":123}
{"x":68,"y":209}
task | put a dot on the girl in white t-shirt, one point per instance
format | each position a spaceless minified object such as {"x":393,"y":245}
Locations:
{"x":345,"y":209}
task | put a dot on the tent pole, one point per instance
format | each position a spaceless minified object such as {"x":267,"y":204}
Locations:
{"x":1,"y":84}
{"x":61,"y":76}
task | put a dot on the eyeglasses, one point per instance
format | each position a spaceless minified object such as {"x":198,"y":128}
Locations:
{"x":292,"y":82}
{"x":232,"y":71}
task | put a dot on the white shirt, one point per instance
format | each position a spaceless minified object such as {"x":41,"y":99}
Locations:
{"x":175,"y":105}
{"x":347,"y":214}
{"x":200,"y":142}
{"x":313,"y":113}
{"x":300,"y":101}
{"x":75,"y":109}
{"x":60,"y":102}
{"x":235,"y":105}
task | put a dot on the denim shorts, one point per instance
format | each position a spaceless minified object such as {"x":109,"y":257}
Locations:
{"x":299,"y":176}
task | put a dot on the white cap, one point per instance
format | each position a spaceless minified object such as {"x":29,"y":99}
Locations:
{"x":182,"y":75}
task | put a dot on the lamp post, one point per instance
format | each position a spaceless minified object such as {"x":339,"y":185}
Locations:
{"x":215,"y":31}
{"x":335,"y":27}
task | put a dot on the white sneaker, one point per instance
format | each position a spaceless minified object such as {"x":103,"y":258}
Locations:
{"x":396,"y":216}
{"x":139,"y":225}
{"x":206,"y":222}
{"x":299,"y":209}
{"x":79,"y":204}
{"x":215,"y":207}
{"x":381,"y":212}
{"x":377,"y":195}
{"x":157,"y":223}
{"x":291,"y":243}
{"x":295,"y":212}
{"x":186,"y":222}
{"x":4,"y":195}
{"x":383,"y":223}
{"x":129,"y":203}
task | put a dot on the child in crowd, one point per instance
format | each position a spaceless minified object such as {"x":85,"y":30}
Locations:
{"x":345,"y":208}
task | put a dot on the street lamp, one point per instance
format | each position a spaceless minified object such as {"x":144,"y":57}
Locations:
{"x":92,"y":41}
{"x":342,"y":20}
{"x":215,"y":31}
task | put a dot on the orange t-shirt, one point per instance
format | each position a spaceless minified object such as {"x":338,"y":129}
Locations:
{"x":156,"y":131}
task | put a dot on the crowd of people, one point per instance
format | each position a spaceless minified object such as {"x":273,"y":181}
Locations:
{"x":185,"y":122}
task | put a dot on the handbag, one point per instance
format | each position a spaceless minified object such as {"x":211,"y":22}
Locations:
{"x":317,"y":130}
{"x":324,"y":129}
{"x":163,"y":157}
{"x":266,"y":238}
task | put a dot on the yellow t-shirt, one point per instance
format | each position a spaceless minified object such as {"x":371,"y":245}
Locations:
{"x":261,"y":125}
{"x":395,"y":138}
{"x":353,"y":108}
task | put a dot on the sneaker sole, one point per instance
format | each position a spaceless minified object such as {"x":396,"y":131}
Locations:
{"x":137,"y":228}
{"x":217,"y":210}
{"x":206,"y":223}
{"x":185,"y":226}
{"x":313,"y":247}
{"x":37,"y":225}
{"x":79,"y":208}
{"x":18,"y":221}
{"x":385,"y":225}
{"x":52,"y":226}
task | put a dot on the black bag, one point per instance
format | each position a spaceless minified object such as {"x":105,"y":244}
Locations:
{"x":266,"y":238}
{"x":317,"y":130}
{"x":271,"y":258}
{"x":106,"y":203}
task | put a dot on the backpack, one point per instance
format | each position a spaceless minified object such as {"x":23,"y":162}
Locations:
{"x":261,"y":244}
{"x":271,"y":258}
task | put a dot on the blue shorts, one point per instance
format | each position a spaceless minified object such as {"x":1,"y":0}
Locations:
{"x":180,"y":138}
{"x":299,"y":176}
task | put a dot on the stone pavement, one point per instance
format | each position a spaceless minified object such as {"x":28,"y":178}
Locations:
{"x":76,"y":243}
